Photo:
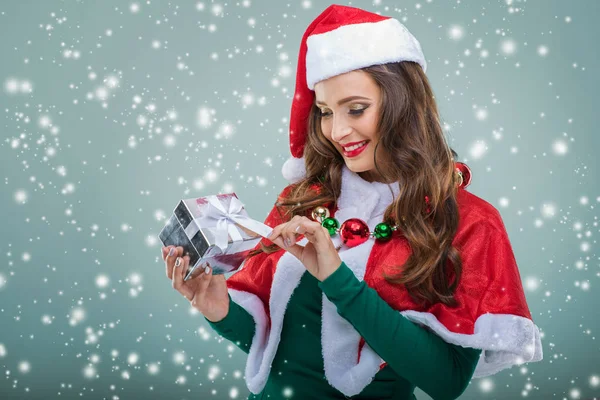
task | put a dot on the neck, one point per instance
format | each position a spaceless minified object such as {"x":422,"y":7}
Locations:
{"x":370,"y":177}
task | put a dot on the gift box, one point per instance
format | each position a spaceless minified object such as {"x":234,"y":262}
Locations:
{"x":215,"y":230}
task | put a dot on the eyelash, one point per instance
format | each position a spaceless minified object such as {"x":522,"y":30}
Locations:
{"x":352,"y":112}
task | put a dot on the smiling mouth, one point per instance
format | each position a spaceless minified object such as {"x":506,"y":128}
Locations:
{"x":355,"y":150}
{"x":355,"y":146}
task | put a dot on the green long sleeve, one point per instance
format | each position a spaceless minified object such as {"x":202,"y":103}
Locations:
{"x":238,"y":326}
{"x":440,"y":369}
{"x":414,"y":355}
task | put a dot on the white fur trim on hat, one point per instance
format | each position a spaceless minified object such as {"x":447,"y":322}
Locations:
{"x":355,"y":46}
{"x":293,"y":169}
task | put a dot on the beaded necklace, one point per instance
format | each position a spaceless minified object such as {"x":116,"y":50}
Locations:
{"x":355,"y":231}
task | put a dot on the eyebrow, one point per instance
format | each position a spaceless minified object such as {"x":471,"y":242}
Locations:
{"x":345,"y":100}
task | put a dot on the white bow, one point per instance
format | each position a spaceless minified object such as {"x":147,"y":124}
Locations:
{"x":220,"y":222}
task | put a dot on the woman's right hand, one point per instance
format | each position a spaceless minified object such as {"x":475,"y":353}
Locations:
{"x":207,"y":293}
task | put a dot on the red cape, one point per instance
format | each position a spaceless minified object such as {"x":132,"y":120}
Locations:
{"x":492,"y":314}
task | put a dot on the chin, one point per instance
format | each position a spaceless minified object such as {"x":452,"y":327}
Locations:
{"x":355,"y":167}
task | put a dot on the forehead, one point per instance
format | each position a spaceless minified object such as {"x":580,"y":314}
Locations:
{"x":353,"y":83}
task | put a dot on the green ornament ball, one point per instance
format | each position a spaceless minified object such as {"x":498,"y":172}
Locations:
{"x":383,"y":231}
{"x":331,"y":224}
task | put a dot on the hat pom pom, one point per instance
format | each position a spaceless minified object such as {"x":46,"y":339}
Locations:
{"x":294,"y":169}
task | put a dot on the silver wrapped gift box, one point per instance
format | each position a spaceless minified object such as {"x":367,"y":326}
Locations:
{"x":215,"y":230}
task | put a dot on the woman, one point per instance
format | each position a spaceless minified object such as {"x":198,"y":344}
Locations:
{"x":417,"y":288}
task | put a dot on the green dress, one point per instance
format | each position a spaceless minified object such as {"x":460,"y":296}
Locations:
{"x":415,"y":356}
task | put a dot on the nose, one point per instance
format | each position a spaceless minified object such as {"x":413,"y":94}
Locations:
{"x":339,"y":129}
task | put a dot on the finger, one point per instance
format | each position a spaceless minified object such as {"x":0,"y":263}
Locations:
{"x":204,"y":279}
{"x":310,"y":236}
{"x":320,"y":233}
{"x":279,"y":242}
{"x":294,"y":249}
{"x":176,"y":277}
{"x":275,"y":232}
{"x":314,"y":232}
{"x":289,"y":236}
{"x":165,"y":251}
{"x":181,"y":264}
{"x":289,"y":231}
{"x":183,"y":268}
{"x":176,"y":252}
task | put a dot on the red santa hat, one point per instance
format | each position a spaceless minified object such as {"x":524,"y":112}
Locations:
{"x":341,"y":39}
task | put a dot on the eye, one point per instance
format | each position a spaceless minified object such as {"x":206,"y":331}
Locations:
{"x":352,"y":112}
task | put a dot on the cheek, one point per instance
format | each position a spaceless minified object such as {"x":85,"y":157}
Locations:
{"x":326,"y":128}
{"x":368,"y":125}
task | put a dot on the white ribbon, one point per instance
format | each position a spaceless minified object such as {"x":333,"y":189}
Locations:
{"x":219,"y":221}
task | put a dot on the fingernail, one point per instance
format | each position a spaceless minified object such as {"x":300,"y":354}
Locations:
{"x":288,"y":242}
{"x":178,"y":262}
{"x":207,"y":270}
{"x":172,"y":251}
{"x":270,"y":233}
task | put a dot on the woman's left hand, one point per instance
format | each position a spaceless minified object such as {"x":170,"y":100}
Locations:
{"x":319,"y":255}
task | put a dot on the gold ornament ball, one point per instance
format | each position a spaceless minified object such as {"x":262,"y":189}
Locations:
{"x":459,"y":177}
{"x":320,"y":213}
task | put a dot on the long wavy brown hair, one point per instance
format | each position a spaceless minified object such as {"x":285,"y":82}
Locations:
{"x":418,"y":159}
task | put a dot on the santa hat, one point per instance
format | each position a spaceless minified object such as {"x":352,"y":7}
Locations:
{"x":341,"y":39}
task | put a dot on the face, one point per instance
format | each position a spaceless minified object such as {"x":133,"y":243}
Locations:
{"x":350,"y":123}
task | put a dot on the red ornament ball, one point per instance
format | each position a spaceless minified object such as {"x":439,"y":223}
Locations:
{"x":354,"y":231}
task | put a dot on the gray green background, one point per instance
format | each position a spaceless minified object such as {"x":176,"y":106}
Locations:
{"x":110,"y":115}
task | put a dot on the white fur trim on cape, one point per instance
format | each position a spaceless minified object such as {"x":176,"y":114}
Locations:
{"x":355,"y":46}
{"x":340,"y":341}
{"x":256,"y":375}
{"x":505,"y":339}
{"x":293,"y":169}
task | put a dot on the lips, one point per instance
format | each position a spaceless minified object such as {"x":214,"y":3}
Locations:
{"x":355,"y":152}
{"x":348,"y":145}
{"x":351,"y":144}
